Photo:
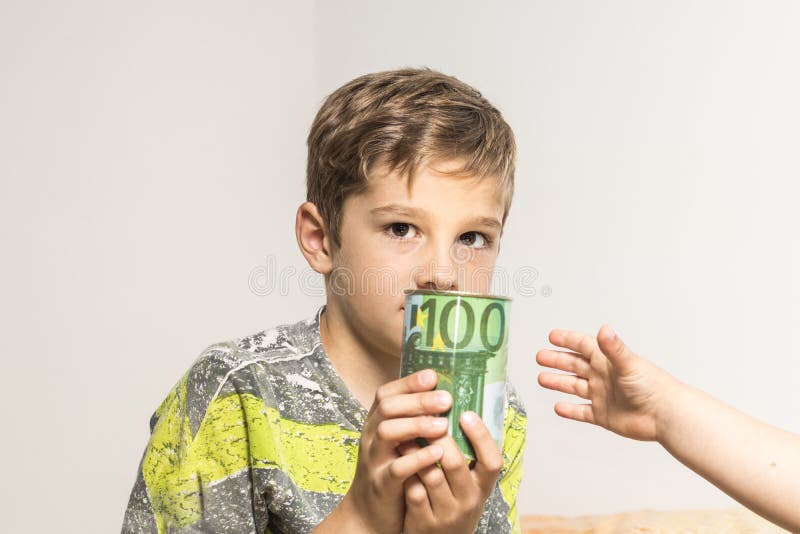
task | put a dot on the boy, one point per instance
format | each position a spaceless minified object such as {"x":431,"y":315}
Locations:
{"x":306,"y":426}
{"x":755,"y":463}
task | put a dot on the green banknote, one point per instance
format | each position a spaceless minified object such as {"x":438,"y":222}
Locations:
{"x":464,"y":338}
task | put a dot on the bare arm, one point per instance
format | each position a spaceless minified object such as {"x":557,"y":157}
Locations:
{"x":753,"y":462}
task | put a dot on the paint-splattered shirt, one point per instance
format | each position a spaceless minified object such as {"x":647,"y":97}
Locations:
{"x":261,"y":435}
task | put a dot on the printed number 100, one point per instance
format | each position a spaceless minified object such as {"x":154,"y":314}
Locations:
{"x":430,"y":328}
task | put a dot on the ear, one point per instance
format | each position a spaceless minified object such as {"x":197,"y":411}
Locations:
{"x":313,"y":238}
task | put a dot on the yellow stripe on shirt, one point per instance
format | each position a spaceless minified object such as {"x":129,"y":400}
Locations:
{"x":237,"y":433}
{"x":513,"y":449}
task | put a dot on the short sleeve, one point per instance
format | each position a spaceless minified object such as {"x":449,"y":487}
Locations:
{"x":194,"y":475}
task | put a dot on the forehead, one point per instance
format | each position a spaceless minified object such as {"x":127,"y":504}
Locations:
{"x":434,"y":188}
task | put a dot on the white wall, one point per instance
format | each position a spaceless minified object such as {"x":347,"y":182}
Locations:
{"x":152,"y":155}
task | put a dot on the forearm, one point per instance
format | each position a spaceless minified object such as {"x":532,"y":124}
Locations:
{"x":755,"y":463}
{"x":343,"y":518}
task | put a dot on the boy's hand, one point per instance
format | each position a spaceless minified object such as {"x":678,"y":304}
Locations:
{"x":450,"y":499}
{"x":403,"y":410}
{"x":625,"y":391}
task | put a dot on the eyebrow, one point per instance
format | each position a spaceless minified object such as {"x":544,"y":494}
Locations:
{"x":408,"y":211}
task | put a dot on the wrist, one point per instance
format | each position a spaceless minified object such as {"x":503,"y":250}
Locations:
{"x":345,"y":518}
{"x":668,"y":407}
{"x":353,"y":518}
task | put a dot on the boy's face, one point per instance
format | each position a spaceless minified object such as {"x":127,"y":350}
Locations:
{"x":442,"y":234}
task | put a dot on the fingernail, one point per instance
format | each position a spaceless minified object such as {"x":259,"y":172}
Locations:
{"x":426,"y":377}
{"x":439,"y":422}
{"x":442,"y":398}
{"x":436,"y":450}
{"x":468,"y":418}
{"x":611,"y":334}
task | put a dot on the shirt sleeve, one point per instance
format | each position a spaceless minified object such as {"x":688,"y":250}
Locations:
{"x":514,"y":434}
{"x":194,"y":475}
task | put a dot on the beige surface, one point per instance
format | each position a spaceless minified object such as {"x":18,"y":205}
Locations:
{"x":738,"y":521}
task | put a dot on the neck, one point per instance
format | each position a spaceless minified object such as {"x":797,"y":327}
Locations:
{"x":363,"y":368}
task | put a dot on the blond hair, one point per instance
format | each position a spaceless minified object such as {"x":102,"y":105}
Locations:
{"x":402,"y":120}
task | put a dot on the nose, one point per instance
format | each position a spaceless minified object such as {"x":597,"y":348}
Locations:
{"x":437,"y":269}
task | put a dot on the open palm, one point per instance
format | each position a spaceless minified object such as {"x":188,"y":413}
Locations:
{"x":620,"y":386}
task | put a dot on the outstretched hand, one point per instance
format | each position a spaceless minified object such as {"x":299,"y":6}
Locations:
{"x":624,"y":390}
{"x":753,"y":462}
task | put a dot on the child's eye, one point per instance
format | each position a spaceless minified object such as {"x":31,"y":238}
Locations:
{"x":475,"y":240}
{"x":401,"y":230}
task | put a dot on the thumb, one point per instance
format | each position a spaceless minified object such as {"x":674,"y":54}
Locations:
{"x":614,"y":349}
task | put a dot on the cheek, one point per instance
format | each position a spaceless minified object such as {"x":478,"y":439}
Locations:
{"x":376,"y":277}
{"x":477,"y":277}
{"x":387,"y":268}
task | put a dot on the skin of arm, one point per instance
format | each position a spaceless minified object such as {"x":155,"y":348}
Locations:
{"x":755,"y":463}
